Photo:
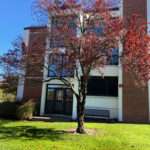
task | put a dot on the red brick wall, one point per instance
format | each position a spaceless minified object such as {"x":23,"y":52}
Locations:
{"x":32,"y":90}
{"x":33,"y":80}
{"x":135,"y":99}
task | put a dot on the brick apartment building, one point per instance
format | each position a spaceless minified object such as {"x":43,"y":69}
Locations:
{"x":115,"y":96}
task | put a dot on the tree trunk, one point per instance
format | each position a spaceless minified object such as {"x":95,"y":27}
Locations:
{"x":80,"y":116}
{"x":81,"y":106}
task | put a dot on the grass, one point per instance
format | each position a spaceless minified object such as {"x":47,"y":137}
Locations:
{"x":25,"y":135}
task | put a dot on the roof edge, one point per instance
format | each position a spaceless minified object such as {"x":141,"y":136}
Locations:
{"x":35,"y":27}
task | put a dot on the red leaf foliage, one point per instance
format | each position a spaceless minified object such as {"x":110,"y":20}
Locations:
{"x":136,"y":52}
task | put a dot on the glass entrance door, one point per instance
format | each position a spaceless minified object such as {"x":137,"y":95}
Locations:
{"x":59,"y":101}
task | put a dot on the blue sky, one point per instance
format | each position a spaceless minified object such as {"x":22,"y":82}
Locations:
{"x":14,"y":16}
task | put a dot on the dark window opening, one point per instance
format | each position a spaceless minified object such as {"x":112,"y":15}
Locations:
{"x":107,"y":86}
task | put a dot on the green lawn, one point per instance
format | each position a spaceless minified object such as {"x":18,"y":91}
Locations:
{"x":15,"y":135}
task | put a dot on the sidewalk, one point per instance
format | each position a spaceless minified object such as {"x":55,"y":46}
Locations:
{"x":52,"y":117}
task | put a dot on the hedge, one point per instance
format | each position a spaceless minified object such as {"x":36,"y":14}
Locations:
{"x":17,"y":110}
{"x":8,"y":109}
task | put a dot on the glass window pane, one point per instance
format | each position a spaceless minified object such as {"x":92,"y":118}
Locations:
{"x":50,"y":94}
{"x":59,"y":95}
{"x":55,"y":65}
{"x":69,"y":95}
{"x":58,"y":35}
{"x":114,"y":59}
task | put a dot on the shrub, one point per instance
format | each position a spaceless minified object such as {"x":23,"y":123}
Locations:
{"x":25,"y":110}
{"x":7,"y":97}
{"x":37,"y":109}
{"x":8,"y":109}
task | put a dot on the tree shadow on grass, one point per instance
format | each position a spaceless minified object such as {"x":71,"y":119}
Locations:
{"x":30,"y":133}
{"x":3,"y":122}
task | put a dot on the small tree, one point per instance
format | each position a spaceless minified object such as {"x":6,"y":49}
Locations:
{"x":90,"y":49}
{"x":11,"y":65}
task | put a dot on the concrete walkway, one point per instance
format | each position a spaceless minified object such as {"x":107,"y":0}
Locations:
{"x":52,"y":118}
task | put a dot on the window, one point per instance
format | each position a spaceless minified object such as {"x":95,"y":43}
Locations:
{"x":58,"y":66}
{"x":58,"y":34}
{"x":55,"y":68}
{"x":95,"y":26}
{"x":114,"y":59}
{"x":107,"y":86}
